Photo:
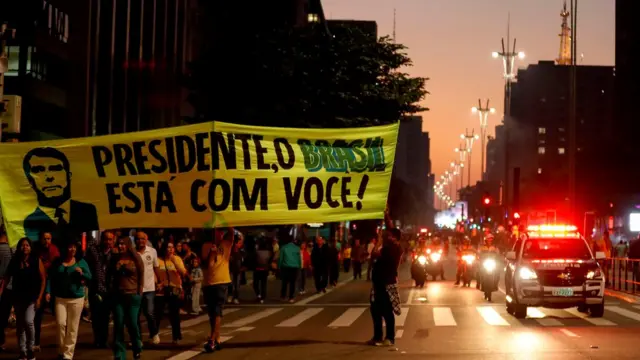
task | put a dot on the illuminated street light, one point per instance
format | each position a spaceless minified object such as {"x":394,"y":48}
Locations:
{"x":483,"y":114}
{"x":508,"y":56}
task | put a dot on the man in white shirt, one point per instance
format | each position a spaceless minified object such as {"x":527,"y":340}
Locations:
{"x":150,"y":260}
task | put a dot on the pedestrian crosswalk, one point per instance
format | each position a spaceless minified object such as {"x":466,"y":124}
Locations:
{"x":422,"y":317}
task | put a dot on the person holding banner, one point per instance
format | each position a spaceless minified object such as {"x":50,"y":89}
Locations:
{"x":215,"y":262}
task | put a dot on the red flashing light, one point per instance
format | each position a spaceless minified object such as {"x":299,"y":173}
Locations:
{"x":423,"y":230}
{"x":516,"y":216}
{"x":487,"y":201}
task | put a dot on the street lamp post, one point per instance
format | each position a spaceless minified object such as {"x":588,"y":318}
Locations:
{"x":469,"y":139}
{"x":483,"y":114}
{"x":508,"y":56}
{"x":458,"y":166}
{"x":462,"y":153}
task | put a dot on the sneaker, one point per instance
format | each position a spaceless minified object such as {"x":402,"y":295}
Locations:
{"x":136,"y":356}
{"x":373,"y":342}
{"x":229,"y":300}
{"x":155,"y":340}
{"x":291,"y":301}
{"x":217,"y":346}
{"x":387,"y":343}
{"x":261,"y":301}
{"x":209,"y":346}
{"x":236,"y":301}
{"x":31,"y":355}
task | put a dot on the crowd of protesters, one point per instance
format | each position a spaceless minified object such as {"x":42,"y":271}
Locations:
{"x":126,"y":275}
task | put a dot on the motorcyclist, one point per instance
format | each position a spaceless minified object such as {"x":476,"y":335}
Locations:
{"x":436,"y":246}
{"x":464,"y":249}
{"x":485,"y":250}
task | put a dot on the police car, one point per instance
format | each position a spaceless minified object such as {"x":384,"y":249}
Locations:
{"x":552,"y":266}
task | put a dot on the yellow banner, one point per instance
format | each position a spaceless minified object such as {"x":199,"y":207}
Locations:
{"x":205,"y":175}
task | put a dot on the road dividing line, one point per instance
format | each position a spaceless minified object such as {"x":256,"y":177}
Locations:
{"x":399,"y":333}
{"x":317,"y":296}
{"x":541,"y":317}
{"x":585,"y":317}
{"x":442,"y":316}
{"x":569,"y":333}
{"x":348,"y":317}
{"x":491,"y":316}
{"x":624,"y":312}
{"x":186,"y":355}
{"x":253,"y":318}
{"x":300,"y":317}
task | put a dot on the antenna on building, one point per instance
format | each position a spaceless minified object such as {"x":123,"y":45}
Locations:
{"x":564,"y":56}
{"x":394,"y":25}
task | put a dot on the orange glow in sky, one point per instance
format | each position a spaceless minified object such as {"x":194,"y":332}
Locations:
{"x":451,"y":42}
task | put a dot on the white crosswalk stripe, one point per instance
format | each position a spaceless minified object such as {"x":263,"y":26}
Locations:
{"x":300,"y":318}
{"x":348,"y":317}
{"x":442,"y":316}
{"x":491,"y":316}
{"x":253,"y":318}
{"x":438,"y":316}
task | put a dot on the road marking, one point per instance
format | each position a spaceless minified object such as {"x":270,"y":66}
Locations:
{"x":442,"y":316}
{"x":541,"y":317}
{"x":317,"y":296}
{"x":300,"y":318}
{"x":399,"y":333}
{"x":186,"y":355}
{"x":594,"y":321}
{"x":624,"y":312}
{"x":411,"y":295}
{"x":253,"y":318}
{"x":400,"y":319}
{"x":491,"y":316}
{"x":348,"y":317}
{"x":244,"y":329}
{"x":569,"y":333}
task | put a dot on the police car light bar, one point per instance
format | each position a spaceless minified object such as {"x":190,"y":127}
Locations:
{"x":553,"y":228}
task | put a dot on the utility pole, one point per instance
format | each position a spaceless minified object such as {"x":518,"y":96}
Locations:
{"x":572,"y":110}
{"x":469,"y":138}
{"x":5,"y":34}
{"x":508,"y":55}
{"x":483,"y":114}
{"x":463,"y":151}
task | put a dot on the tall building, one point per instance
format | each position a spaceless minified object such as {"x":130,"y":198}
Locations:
{"x":97,"y":66}
{"x":540,"y":109}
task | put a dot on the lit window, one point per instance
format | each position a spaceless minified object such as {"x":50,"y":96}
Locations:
{"x":539,"y":170}
{"x":561,"y":151}
{"x":541,"y":150}
{"x":313,"y":18}
{"x":542,"y":130}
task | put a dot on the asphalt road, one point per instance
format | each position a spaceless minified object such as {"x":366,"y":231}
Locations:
{"x":441,"y":321}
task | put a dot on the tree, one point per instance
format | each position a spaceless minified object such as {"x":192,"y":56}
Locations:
{"x":303,"y":77}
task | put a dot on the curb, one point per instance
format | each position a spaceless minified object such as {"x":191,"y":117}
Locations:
{"x":632,"y":299}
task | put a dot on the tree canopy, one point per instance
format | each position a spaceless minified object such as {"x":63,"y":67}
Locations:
{"x":304,"y":77}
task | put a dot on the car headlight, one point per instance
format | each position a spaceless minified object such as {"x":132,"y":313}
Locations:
{"x":435,"y":257}
{"x":422,"y":260}
{"x":489,"y":265}
{"x":594,"y":274}
{"x":527,"y":274}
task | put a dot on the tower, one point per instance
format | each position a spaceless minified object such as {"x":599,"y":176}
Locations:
{"x":564,"y":57}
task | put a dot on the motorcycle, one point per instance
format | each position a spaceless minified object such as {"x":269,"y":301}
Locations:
{"x":489,"y":275}
{"x":434,"y":266}
{"x":419,"y":269}
{"x":467,"y":269}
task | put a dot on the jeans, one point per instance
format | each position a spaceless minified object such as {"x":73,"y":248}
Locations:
{"x":25,"y":314}
{"x":126,"y":310}
{"x":196,"y":290}
{"x":173,"y":302}
{"x":260,"y":283}
{"x":68,"y":313}
{"x":321,"y":277}
{"x":303,"y":279}
{"x":346,"y":263}
{"x":381,"y":308}
{"x":289,"y":275}
{"x":234,"y":287}
{"x":100,"y":305}
{"x":147,"y":308}
{"x":6,"y":302}
{"x":357,"y":270}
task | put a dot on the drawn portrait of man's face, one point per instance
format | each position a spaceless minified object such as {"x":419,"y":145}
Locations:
{"x":47,"y":170}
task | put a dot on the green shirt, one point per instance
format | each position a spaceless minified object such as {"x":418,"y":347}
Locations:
{"x":65,"y":282}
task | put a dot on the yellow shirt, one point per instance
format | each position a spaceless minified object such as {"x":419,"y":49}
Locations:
{"x":217,"y":271}
{"x":170,"y":273}
{"x":347,"y":253}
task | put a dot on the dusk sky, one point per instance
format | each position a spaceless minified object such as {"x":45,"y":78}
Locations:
{"x":450,"y":42}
